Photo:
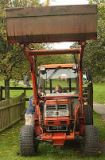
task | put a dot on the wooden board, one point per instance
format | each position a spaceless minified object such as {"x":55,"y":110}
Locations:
{"x":52,"y":24}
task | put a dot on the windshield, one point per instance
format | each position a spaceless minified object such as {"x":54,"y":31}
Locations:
{"x":59,"y":80}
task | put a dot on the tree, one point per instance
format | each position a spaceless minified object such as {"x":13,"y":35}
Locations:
{"x":94,"y":57}
{"x":23,"y":3}
{"x":13,"y":63}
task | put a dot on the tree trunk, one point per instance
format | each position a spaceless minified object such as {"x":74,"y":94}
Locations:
{"x":7,"y":90}
{"x":1,"y":93}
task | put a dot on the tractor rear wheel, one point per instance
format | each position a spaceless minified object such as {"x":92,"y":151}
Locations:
{"x":91,"y":141}
{"x":88,"y":115}
{"x":28,"y":146}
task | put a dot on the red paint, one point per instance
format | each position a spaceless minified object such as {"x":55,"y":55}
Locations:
{"x":58,"y":138}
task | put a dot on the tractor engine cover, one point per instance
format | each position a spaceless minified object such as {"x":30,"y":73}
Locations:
{"x":57,"y":115}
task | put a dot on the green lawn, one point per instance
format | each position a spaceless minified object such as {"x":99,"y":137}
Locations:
{"x":17,"y":93}
{"x":9,"y":146}
{"x":99,"y":93}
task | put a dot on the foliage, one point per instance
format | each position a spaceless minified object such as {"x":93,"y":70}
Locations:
{"x":13,"y":63}
{"x":25,"y":3}
{"x":54,"y":59}
{"x":94,"y":58}
{"x":96,"y":1}
{"x":11,"y":59}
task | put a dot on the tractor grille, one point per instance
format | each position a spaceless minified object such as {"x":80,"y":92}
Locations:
{"x":57,"y":110}
{"x":62,"y":107}
{"x":51,"y":107}
{"x":57,"y":128}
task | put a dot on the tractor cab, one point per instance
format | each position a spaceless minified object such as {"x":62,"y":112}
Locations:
{"x":65,"y":76}
{"x":59,"y":83}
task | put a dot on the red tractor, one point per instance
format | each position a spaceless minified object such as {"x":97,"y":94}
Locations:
{"x":60,"y":114}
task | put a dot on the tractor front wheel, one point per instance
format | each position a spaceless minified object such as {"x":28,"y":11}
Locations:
{"x":28,"y":146}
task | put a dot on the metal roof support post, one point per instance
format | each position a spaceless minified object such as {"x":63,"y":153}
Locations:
{"x":81,"y":77}
{"x":32,"y":66}
{"x":80,"y":69}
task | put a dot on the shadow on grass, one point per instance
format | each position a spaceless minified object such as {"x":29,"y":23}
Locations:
{"x":65,"y":152}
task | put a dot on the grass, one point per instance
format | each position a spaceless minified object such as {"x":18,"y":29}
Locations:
{"x":17,"y":93}
{"x":100,"y":125}
{"x":9,"y":146}
{"x":99,"y":93}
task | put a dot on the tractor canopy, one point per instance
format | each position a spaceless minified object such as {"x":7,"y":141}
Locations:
{"x":58,"y":78}
{"x":51,"y":24}
{"x":59,"y":71}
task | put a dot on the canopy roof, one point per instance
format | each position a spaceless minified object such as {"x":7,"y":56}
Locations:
{"x":51,"y":24}
{"x":60,"y":73}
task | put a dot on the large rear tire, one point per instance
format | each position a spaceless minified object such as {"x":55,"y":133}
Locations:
{"x":91,"y":141}
{"x":88,"y":115}
{"x":28,"y":147}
